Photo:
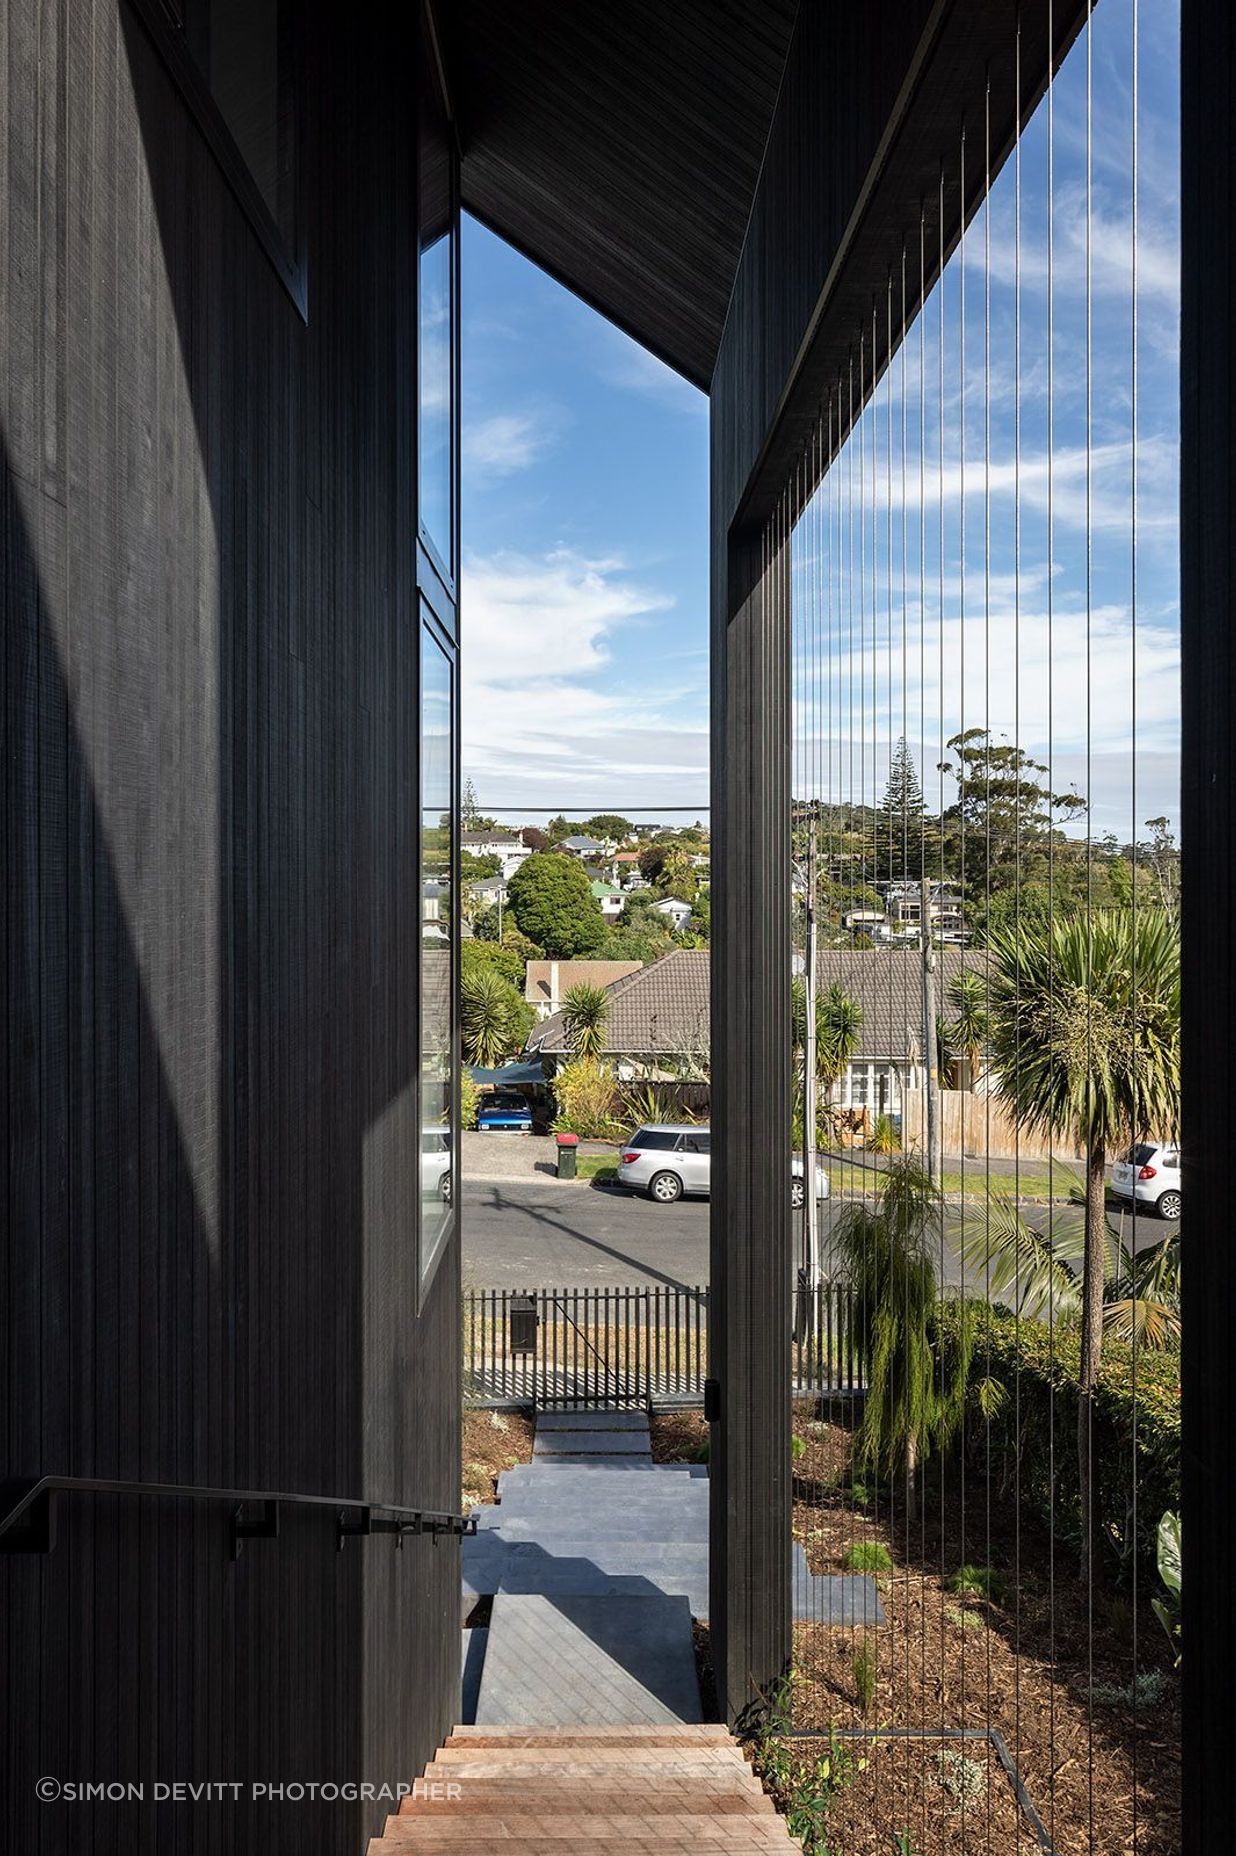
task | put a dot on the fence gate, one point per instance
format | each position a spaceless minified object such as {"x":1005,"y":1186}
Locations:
{"x":634,"y":1346}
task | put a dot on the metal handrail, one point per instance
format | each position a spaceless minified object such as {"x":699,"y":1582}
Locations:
{"x":28,"y":1520}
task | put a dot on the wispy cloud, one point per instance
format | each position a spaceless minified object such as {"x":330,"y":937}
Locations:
{"x":622,"y":363}
{"x":505,"y":443}
{"x":550,"y":709}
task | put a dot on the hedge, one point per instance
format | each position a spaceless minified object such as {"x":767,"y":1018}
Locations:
{"x":1032,"y":1429}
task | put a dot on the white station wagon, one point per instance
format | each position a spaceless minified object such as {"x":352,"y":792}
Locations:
{"x":671,"y":1160}
{"x":1149,"y":1174}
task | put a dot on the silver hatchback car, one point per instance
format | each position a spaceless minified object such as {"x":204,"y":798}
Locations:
{"x":673,"y":1160}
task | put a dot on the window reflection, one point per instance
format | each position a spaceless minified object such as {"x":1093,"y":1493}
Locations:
{"x":437,"y":263}
{"x":437,"y":929}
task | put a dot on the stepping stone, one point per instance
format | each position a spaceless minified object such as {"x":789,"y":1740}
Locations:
{"x":553,"y":1662}
{"x":840,"y":1599}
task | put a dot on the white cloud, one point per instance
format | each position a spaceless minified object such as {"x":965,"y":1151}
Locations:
{"x":506,"y":443}
{"x":556,"y":709}
{"x":623,"y":363}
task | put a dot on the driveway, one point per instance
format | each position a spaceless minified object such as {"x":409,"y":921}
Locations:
{"x":536,"y":1231}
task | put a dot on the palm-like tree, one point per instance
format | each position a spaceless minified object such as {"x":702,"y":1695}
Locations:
{"x":838,"y":1025}
{"x":970,"y":1027}
{"x":490,"y":1018}
{"x":1034,"y":1271}
{"x":1085,"y":1042}
{"x":915,"y":1398}
{"x":587,"y":1014}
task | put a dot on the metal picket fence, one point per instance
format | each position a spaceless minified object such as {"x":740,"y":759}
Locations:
{"x":586,"y":1348}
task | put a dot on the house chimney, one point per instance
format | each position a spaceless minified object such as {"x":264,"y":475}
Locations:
{"x":553,"y":985}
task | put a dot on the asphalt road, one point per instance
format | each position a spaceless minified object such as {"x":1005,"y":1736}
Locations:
{"x":545,"y":1233}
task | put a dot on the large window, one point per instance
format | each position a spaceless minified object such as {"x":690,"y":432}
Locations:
{"x":436,"y":217}
{"x":237,"y":64}
{"x":438,"y":1041}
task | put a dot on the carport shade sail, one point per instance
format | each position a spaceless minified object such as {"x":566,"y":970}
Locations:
{"x":509,"y":1075}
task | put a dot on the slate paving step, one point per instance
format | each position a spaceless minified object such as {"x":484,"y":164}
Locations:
{"x":547,"y":1527}
{"x":590,"y":1443}
{"x":591,"y":1421}
{"x":615,"y":1659}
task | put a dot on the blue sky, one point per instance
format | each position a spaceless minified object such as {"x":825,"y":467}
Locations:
{"x":585,"y":581}
{"x":1059,"y":650}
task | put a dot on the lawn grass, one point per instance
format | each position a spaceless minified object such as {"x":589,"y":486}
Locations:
{"x":596,"y":1166}
{"x":1034,"y":1180}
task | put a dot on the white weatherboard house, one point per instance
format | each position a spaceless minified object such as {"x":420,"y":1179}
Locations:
{"x":507,"y":846}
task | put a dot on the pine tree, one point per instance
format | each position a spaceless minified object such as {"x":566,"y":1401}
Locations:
{"x":899,"y":828}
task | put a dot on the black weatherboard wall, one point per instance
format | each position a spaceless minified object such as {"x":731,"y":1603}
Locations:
{"x":209,"y":946}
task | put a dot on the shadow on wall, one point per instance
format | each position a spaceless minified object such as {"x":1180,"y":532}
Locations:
{"x":210,"y":979}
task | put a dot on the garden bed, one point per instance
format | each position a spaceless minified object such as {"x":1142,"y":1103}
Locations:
{"x":1016,"y":1648}
{"x":492,"y":1441}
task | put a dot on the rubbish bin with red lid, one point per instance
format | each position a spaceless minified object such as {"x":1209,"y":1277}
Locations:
{"x":568,"y":1146}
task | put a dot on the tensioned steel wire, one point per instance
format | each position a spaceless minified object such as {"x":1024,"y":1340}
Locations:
{"x":969,"y":553}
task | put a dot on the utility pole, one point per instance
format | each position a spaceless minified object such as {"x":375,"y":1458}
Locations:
{"x":931,"y":1055}
{"x":811,"y":1210}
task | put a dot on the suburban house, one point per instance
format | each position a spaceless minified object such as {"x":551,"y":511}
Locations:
{"x":676,"y":911}
{"x":507,"y":846}
{"x":659,"y":1017}
{"x":547,"y":982}
{"x":488,"y":891}
{"x":611,"y":899}
{"x":624,"y":865}
{"x":588,"y":850}
{"x":887,"y":983}
{"x":658,"y":1024}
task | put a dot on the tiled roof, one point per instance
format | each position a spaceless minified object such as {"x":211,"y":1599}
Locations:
{"x":887,"y":982}
{"x":664,"y":1009}
{"x":538,"y":980}
{"x":661,"y":1010}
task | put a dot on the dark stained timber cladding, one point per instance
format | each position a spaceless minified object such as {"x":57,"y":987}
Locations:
{"x":208,"y":943}
{"x":1208,"y":650}
{"x":619,"y":146}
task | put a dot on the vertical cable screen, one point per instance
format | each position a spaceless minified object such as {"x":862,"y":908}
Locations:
{"x":982,"y":534}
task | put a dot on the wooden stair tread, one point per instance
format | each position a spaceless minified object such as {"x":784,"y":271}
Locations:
{"x":485,"y":1799}
{"x":706,"y":1827}
{"x":651,"y":1790}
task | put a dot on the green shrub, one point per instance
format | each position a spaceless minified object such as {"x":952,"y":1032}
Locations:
{"x":584,"y":1090}
{"x":976,"y":1582}
{"x":1031,"y":1433}
{"x":867,"y":1556}
{"x":469,"y":1096}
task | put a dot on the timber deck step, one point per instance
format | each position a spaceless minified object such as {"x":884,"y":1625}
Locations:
{"x":635,"y":1790}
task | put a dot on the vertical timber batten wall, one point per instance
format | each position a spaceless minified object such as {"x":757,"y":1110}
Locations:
{"x":209,"y":943}
{"x":1208,"y":923}
{"x":870,"y":99}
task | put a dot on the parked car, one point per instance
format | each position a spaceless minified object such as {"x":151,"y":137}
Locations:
{"x":436,"y":1162}
{"x":505,"y":1113}
{"x":672,"y":1160}
{"x":1149,"y":1174}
